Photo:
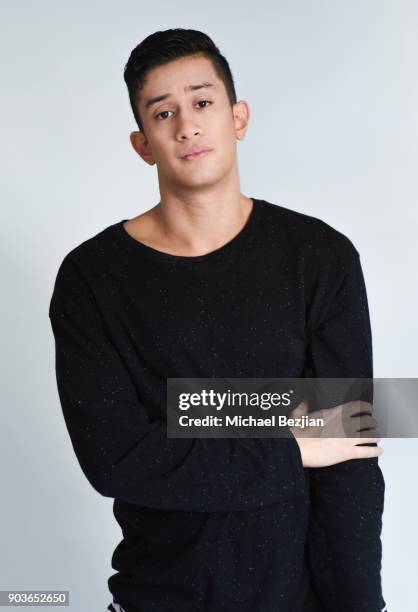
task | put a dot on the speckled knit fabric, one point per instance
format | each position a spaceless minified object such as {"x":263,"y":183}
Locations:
{"x":219,"y":525}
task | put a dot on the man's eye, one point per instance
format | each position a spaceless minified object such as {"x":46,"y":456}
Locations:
{"x":208,"y":101}
{"x":162,"y":113}
{"x":165,"y":112}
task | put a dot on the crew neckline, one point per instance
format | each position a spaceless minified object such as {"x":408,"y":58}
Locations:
{"x":229,"y":246}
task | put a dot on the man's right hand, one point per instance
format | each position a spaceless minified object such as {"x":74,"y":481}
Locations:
{"x":330,"y":445}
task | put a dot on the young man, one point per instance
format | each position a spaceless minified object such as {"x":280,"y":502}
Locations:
{"x":211,"y":283}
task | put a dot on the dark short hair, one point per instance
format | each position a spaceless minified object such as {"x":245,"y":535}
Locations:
{"x":165,"y":46}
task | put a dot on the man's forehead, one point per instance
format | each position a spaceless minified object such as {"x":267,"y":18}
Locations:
{"x":188,"y":67}
{"x":164,"y":81}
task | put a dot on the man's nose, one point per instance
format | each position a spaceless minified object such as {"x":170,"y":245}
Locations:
{"x":186,"y":125}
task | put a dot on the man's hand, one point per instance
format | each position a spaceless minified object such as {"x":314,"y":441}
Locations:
{"x":330,"y":444}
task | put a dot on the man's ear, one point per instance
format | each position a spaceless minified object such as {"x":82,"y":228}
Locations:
{"x":241,"y":113}
{"x":141,"y":146}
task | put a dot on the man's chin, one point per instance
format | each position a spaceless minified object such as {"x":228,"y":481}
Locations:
{"x":196,"y":181}
{"x":193,"y":178}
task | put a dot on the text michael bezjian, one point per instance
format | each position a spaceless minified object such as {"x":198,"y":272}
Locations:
{"x":250,"y":421}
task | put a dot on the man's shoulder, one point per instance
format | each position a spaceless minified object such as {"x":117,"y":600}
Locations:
{"x":315,"y":236}
{"x":88,"y":260}
{"x":96,"y":247}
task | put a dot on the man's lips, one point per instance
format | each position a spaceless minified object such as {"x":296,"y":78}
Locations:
{"x":196,"y":154}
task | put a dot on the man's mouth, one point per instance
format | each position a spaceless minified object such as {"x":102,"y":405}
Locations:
{"x":196,"y":154}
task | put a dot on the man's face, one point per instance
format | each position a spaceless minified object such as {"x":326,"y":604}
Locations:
{"x":188,"y":119}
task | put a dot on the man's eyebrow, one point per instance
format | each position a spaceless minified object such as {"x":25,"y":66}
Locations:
{"x":156,"y":99}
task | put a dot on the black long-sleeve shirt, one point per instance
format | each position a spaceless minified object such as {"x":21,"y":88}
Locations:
{"x":220,"y":525}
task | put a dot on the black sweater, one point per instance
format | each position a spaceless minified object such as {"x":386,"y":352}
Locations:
{"x":220,"y":525}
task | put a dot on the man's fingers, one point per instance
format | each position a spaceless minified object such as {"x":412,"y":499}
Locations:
{"x":366,"y":421}
{"x":355,"y":407}
{"x":365,"y":440}
{"x":349,"y":409}
{"x":367,"y":451}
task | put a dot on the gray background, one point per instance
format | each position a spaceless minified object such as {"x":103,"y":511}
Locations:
{"x":332,"y":91}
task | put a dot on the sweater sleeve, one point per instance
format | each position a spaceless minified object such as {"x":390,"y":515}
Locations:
{"x":347,"y":498}
{"x":126,"y":455}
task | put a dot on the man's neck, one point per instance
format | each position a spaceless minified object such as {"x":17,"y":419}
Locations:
{"x":190,"y":228}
